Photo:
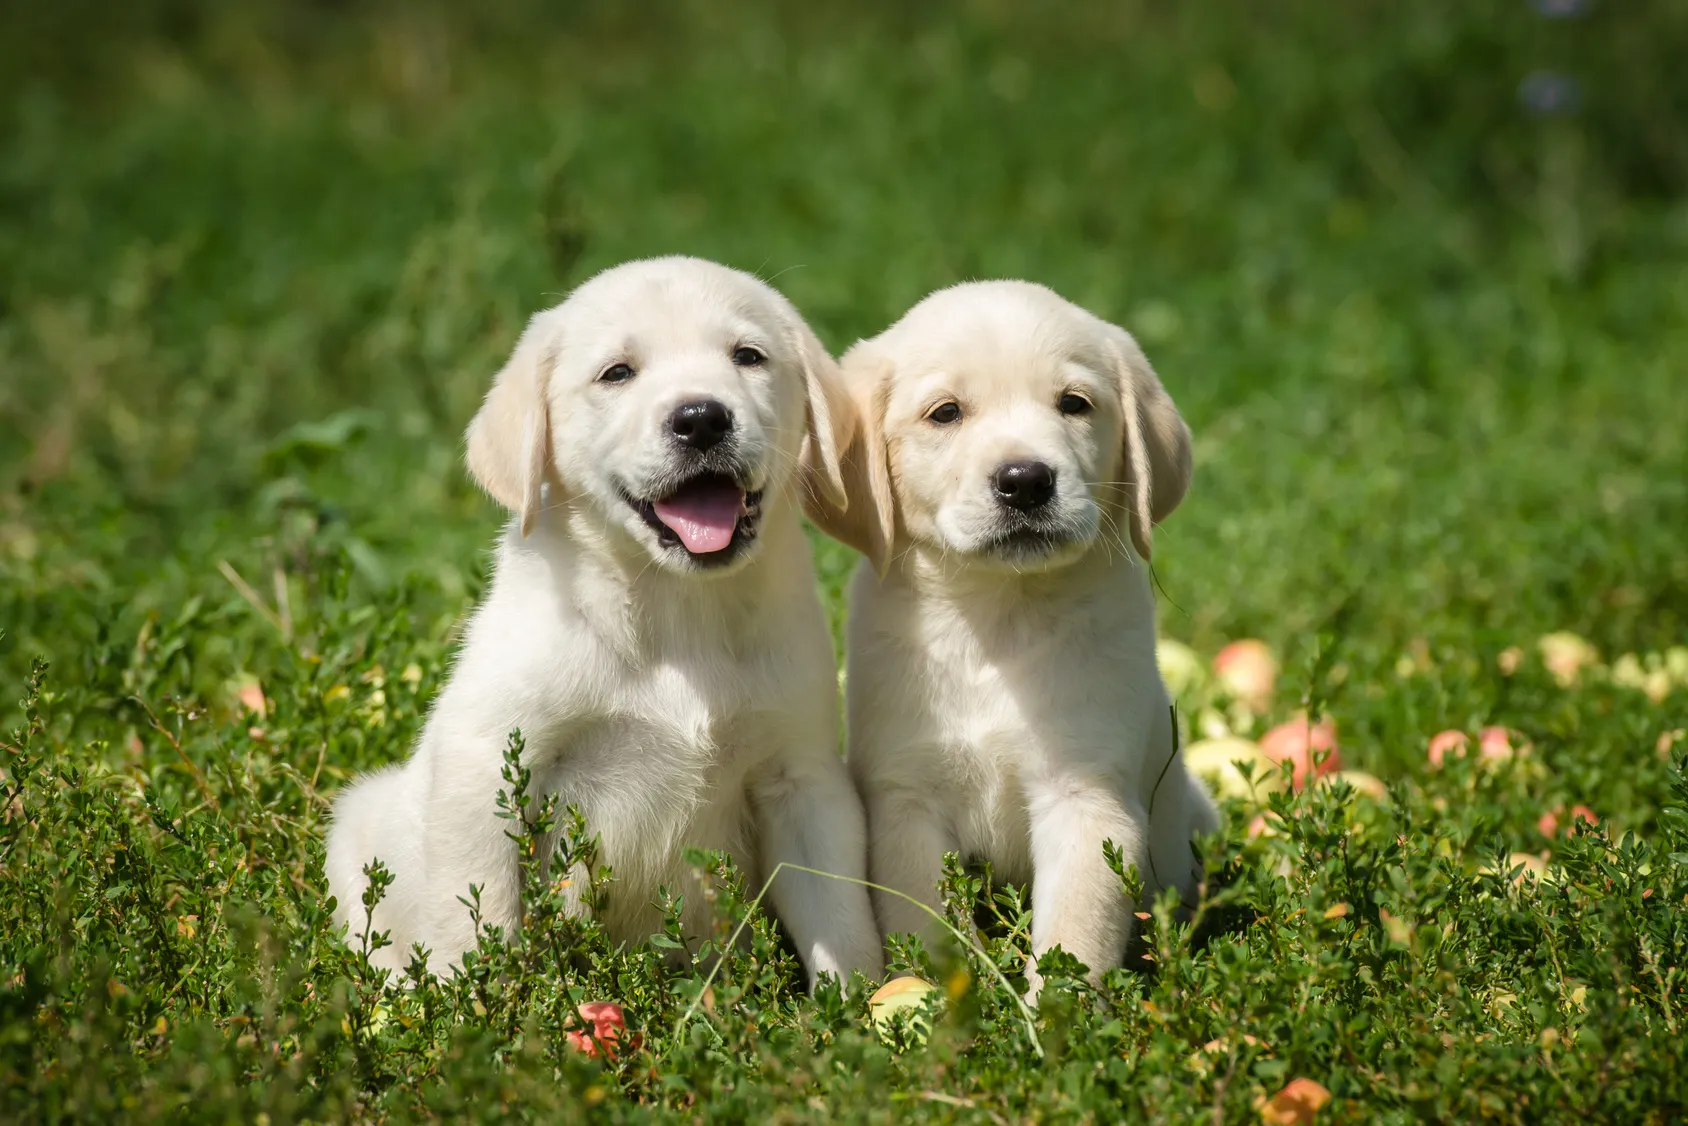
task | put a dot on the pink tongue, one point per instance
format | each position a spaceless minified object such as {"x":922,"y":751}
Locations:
{"x":704,"y":520}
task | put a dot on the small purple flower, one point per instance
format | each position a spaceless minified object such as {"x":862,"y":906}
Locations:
{"x":1560,"y":9}
{"x":1545,"y":93}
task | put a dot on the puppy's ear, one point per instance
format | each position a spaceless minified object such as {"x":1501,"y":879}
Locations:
{"x":510,"y":437}
{"x":864,"y":515}
{"x":1156,"y":441}
{"x":827,"y":420}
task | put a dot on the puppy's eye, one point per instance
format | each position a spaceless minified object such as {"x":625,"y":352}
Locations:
{"x":944,"y":414}
{"x":747,"y":357}
{"x":616,"y":373}
{"x":1074,"y":404}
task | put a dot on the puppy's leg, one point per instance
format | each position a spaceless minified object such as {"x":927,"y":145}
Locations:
{"x":809,"y":814}
{"x":466,"y":843}
{"x":906,"y":853}
{"x":374,"y":820}
{"x":1077,"y":901}
{"x":1179,"y":811}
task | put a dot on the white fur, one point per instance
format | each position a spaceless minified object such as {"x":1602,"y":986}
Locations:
{"x":1004,"y":700}
{"x":674,"y":704}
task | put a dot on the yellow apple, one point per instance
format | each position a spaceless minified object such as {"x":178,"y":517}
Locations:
{"x":1216,"y":762}
{"x":901,"y":995}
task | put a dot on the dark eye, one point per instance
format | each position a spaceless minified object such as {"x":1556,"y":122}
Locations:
{"x":1074,"y":404}
{"x":747,"y":357}
{"x":616,"y":373}
{"x":944,"y":413}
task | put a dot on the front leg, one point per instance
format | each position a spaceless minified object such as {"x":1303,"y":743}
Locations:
{"x":907,"y":842}
{"x":465,"y":843}
{"x":1077,"y":901}
{"x":808,"y":814}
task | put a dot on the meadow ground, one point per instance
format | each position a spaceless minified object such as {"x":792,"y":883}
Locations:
{"x":1417,"y":278}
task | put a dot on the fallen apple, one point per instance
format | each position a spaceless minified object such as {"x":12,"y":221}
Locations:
{"x":1212,"y":724}
{"x":1566,"y":655}
{"x":1534,"y":867}
{"x":1248,"y":671}
{"x":1446,"y":743}
{"x":1298,"y":1104}
{"x":901,"y":995}
{"x":1309,"y":748}
{"x":605,"y":1031}
{"x":1218,"y":761}
{"x":1669,"y":739}
{"x":1494,"y":744}
{"x":1648,"y":674}
{"x":250,"y":693}
{"x":1549,"y":822}
{"x":1180,"y":668}
{"x":1368,"y":784}
{"x":1676,"y":664}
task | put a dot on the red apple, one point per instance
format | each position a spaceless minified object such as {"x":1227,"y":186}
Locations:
{"x":607,"y":1025}
{"x":1298,"y":1104}
{"x":1304,"y":745}
{"x":1248,"y":671}
{"x":1445,"y":743}
{"x":1494,"y":744}
{"x":1548,"y":823}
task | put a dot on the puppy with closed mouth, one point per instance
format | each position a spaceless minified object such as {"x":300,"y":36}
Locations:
{"x":652,"y":629}
{"x":1012,"y":455}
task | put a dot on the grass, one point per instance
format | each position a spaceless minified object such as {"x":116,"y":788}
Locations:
{"x":259,"y":262}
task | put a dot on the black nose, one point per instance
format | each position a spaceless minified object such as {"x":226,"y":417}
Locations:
{"x":701,"y":423}
{"x":1024,"y":485}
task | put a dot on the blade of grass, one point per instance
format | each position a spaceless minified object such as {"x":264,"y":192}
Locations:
{"x":1026,"y":1015}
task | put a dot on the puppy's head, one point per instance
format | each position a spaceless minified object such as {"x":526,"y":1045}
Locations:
{"x":669,"y":402}
{"x":1005,"y":426}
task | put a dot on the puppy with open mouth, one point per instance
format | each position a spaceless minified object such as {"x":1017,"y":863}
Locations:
{"x":652,"y":629}
{"x":1012,"y":456}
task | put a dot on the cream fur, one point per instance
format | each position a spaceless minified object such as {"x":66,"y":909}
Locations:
{"x":674,"y":704}
{"x":1004,"y":700}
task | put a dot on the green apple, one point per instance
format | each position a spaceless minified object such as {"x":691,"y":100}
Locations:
{"x":901,"y":995}
{"x":1216,"y":762}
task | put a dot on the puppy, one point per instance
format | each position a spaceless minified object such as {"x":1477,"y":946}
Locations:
{"x":1013,"y":454}
{"x":652,"y":629}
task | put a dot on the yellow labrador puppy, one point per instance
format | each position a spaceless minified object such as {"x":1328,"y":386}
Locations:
{"x":652,"y":628}
{"x":1012,"y":455}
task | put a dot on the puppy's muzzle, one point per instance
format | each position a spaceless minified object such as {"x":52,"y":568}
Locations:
{"x":704,"y":505}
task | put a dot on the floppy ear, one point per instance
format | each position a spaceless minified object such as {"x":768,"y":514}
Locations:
{"x":863,"y":515}
{"x":1156,"y":441}
{"x":827,"y":420}
{"x":510,"y":437}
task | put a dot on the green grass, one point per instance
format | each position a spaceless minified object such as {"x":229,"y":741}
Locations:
{"x":258,"y":263}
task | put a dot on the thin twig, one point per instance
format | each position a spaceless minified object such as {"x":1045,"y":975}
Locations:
{"x":244,"y":589}
{"x":1219,"y":1087}
{"x":283,"y":605}
{"x":193,"y":767}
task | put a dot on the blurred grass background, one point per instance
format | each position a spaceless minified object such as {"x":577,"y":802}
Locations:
{"x":1416,"y":274}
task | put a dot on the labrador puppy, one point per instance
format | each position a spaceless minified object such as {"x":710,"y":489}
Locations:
{"x":652,"y":629}
{"x":1012,"y":455}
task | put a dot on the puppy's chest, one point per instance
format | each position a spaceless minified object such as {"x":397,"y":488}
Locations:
{"x":1002,"y":721}
{"x":670,"y":744}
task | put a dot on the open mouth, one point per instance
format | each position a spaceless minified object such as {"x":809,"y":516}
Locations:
{"x":709,"y":517}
